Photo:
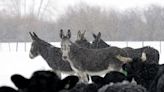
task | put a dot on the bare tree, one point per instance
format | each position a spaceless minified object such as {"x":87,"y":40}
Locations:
{"x":21,"y":16}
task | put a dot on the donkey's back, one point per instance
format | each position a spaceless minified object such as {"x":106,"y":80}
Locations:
{"x":96,"y":60}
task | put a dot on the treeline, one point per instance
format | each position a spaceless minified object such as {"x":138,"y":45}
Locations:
{"x":130,"y":25}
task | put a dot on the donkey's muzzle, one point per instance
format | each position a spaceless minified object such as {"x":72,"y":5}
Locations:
{"x":64,"y":57}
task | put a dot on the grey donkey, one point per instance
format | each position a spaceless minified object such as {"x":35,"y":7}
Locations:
{"x":52,"y":55}
{"x":81,"y":40}
{"x":98,"y":42}
{"x":91,"y":61}
{"x":152,"y":55}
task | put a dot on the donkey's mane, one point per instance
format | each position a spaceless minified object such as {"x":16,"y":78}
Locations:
{"x":99,"y":45}
{"x":40,"y":41}
{"x":83,"y":43}
{"x":102,"y":41}
{"x":89,"y":49}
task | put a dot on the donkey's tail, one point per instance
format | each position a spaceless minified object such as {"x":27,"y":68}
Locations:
{"x":123,"y":59}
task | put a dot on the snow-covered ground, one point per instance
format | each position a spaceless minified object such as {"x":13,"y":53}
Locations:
{"x":16,"y":60}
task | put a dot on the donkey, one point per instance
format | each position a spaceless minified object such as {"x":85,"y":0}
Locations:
{"x":152,"y":55}
{"x":82,"y":41}
{"x":91,"y":61}
{"x":52,"y":55}
{"x":98,"y":42}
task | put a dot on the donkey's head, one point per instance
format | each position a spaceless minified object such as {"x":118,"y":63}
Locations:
{"x":34,"y":51}
{"x":65,"y":44}
{"x":98,"y":42}
{"x":80,"y":35}
{"x":81,"y":40}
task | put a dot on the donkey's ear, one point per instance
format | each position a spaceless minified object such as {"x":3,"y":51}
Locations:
{"x":78,"y":35}
{"x":99,"y":35}
{"x":84,"y":32}
{"x":79,"y":32}
{"x":35,"y":35}
{"x":69,"y":33}
{"x":61,"y":33}
{"x":32,"y":36}
{"x":94,"y":35}
{"x":82,"y":35}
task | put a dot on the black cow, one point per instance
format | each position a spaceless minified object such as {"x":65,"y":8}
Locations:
{"x":144,"y":73}
{"x":43,"y":81}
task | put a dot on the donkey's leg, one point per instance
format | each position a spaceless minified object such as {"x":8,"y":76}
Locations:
{"x":58,"y":74}
{"x":89,"y":78}
{"x":83,"y":77}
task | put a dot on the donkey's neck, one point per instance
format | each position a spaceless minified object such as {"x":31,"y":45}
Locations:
{"x":103,"y":44}
{"x":44,"y":50}
{"x":77,"y":51}
{"x":83,"y":43}
{"x":47,"y":51}
{"x":75,"y":48}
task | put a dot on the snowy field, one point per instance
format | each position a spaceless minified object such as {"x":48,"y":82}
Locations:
{"x":14,"y":58}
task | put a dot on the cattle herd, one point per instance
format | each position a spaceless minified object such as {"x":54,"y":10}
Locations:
{"x":124,"y":69}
